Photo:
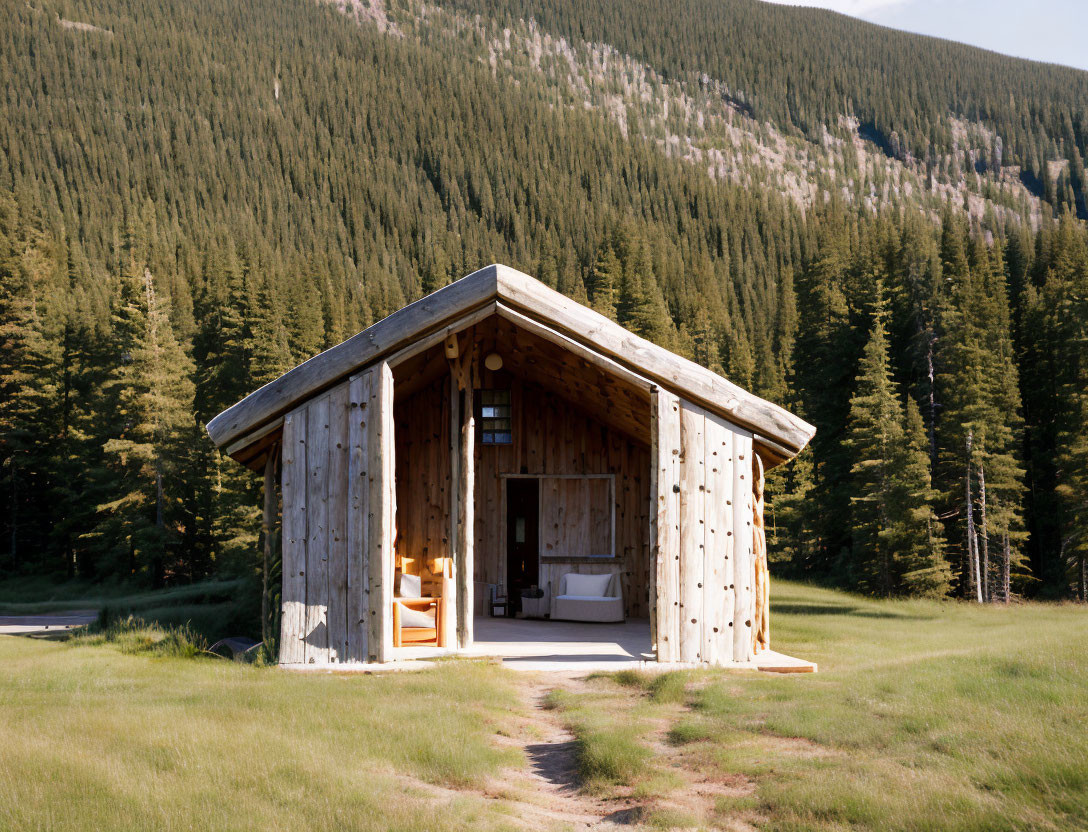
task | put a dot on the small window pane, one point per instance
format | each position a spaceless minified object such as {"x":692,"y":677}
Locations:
{"x":494,"y":417}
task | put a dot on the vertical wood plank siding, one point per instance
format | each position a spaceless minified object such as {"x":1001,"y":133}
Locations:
{"x":454,"y":612}
{"x":338,"y":501}
{"x":667,"y":524}
{"x":692,"y":531}
{"x":317,"y":531}
{"x":702,"y":534}
{"x":423,"y":481}
{"x":293,"y":486}
{"x":326,"y":526}
{"x":466,"y":522}
{"x":358,"y":577}
{"x":744,"y":573}
{"x":718,"y":534}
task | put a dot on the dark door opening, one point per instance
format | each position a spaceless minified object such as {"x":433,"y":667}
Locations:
{"x":522,"y":537}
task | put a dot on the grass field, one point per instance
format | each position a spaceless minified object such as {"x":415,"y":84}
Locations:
{"x":97,"y":738}
{"x":923,"y":716}
{"x":213,"y":609}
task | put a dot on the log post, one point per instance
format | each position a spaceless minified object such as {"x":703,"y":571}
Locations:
{"x":466,"y":522}
{"x":762,"y":629}
{"x":462,"y":372}
{"x":381,"y":467}
{"x":451,"y":581}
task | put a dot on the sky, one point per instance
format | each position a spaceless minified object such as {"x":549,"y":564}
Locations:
{"x":1043,"y":30}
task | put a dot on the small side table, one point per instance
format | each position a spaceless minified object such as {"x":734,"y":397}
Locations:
{"x":535,"y":607}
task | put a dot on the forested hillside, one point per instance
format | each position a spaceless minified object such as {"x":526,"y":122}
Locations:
{"x":805,"y":68}
{"x":196,"y":196}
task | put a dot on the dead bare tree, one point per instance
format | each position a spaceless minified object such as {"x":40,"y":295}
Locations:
{"x":1006,"y":567}
{"x":972,"y":539}
{"x":984,"y":570}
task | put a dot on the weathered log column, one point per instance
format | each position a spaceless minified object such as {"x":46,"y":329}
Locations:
{"x":466,"y":522}
{"x":381,"y":465}
{"x":762,"y":635}
{"x":463,"y":479}
{"x":450,"y":581}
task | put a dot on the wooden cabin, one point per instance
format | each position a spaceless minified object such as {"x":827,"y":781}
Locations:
{"x":497,"y":437}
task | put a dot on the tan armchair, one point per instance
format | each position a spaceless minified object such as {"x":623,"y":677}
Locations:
{"x":419,"y":618}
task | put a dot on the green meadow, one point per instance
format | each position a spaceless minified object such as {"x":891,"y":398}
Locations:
{"x":924,"y":715}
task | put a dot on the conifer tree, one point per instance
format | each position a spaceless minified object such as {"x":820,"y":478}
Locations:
{"x":980,"y":423}
{"x":1055,"y":337}
{"x":270,"y":356}
{"x":1072,"y":489}
{"x":604,"y":280}
{"x":740,"y":363}
{"x":826,"y":363}
{"x":28,"y":390}
{"x":224,"y":341}
{"x":921,"y":540}
{"x":152,"y":391}
{"x":895,"y":549}
{"x":704,"y":341}
{"x":641,"y":306}
{"x":794,"y":537}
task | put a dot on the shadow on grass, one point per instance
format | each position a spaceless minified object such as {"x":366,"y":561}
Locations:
{"x":627,"y":817}
{"x":555,"y":762}
{"x":48,"y":635}
{"x":843,"y":609}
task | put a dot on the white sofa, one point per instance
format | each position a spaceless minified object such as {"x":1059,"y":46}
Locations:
{"x":588,"y":598}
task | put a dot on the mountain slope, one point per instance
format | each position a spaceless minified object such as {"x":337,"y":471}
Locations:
{"x":806,"y":68}
{"x":195,"y":196}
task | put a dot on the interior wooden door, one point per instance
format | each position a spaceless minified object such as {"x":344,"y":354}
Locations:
{"x":522,"y":536}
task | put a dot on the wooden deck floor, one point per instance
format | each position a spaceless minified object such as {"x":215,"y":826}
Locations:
{"x":560,"y":646}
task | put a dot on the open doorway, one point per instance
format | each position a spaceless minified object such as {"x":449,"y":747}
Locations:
{"x":522,"y":536}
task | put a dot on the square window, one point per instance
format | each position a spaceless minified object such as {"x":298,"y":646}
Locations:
{"x":494,"y":417}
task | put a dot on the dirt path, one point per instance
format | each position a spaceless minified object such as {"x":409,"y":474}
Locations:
{"x":546,"y":792}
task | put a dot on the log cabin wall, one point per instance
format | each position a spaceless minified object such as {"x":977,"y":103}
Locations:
{"x":552,"y":436}
{"x":702,"y":530}
{"x":337,"y":509}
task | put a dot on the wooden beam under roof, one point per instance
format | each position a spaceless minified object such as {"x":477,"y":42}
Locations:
{"x":658,"y":364}
{"x":425,"y":319}
{"x":413,"y":322}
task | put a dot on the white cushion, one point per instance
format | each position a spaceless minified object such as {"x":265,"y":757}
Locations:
{"x":416,"y":618}
{"x":567,"y":608}
{"x":409,"y":586}
{"x":589,"y":586}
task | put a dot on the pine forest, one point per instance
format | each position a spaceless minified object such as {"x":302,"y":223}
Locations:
{"x":882,"y":232}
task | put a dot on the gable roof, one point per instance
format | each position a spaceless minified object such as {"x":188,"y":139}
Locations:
{"x":482,"y":293}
